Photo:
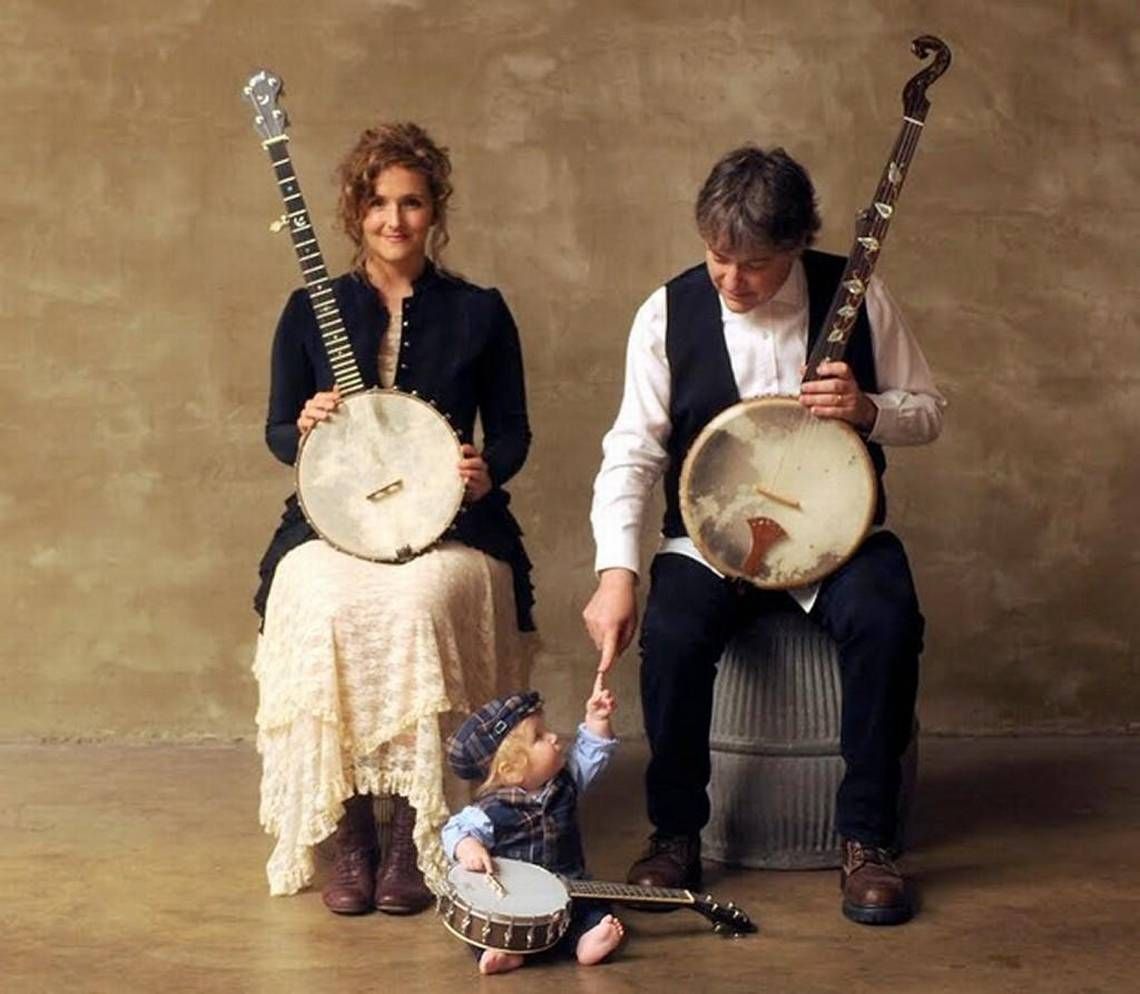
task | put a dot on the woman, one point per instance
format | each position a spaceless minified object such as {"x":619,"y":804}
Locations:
{"x":361,"y":666}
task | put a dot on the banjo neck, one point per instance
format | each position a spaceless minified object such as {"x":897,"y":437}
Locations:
{"x":727,"y":918}
{"x":270,"y":121}
{"x":874,"y":221}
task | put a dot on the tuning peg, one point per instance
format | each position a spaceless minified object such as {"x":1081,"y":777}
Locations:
{"x":279,"y":224}
{"x":720,"y":928}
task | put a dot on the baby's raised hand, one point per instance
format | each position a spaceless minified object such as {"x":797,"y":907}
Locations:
{"x":473,"y":855}
{"x":599,"y":707}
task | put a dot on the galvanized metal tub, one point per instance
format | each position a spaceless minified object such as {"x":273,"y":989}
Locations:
{"x":774,"y":742}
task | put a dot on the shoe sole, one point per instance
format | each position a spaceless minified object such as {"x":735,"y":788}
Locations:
{"x":402,"y":909}
{"x":654,"y":909}
{"x":351,"y":911}
{"x":863,"y":914}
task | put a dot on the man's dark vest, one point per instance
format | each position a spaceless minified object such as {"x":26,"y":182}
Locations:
{"x":700,"y":372}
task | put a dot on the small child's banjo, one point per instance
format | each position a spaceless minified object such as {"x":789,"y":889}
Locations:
{"x":526,"y":909}
{"x":380,"y":479}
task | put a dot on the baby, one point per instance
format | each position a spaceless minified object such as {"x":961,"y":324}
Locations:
{"x":527,"y":806}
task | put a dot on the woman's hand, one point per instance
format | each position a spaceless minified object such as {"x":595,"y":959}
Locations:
{"x":319,"y":407}
{"x":611,"y":615}
{"x":837,"y":395}
{"x":476,"y":477}
{"x":473,"y":855}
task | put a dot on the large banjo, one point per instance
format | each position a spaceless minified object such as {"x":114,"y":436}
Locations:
{"x":770,"y":493}
{"x":379,"y":479}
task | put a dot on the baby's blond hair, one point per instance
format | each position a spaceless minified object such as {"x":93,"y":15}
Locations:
{"x":510,"y":760}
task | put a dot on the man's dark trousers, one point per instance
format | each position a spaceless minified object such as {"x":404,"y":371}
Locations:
{"x":868,"y":606}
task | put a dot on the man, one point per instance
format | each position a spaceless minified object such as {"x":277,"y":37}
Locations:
{"x":750,"y":303}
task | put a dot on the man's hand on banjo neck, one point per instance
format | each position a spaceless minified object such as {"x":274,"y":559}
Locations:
{"x":836,"y":395}
{"x":611,"y":615}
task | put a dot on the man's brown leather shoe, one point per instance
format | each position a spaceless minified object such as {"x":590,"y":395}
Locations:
{"x":400,"y":887}
{"x":349,"y":892}
{"x":668,"y":861}
{"x":874,"y":891}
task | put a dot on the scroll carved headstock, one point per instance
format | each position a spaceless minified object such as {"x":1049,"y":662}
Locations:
{"x":915,"y":103}
{"x":262,"y":90}
{"x":875,"y":220}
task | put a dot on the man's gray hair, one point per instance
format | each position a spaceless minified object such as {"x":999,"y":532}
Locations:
{"x":754,"y":200}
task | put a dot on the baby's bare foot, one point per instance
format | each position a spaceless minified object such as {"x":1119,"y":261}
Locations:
{"x":496,"y":961}
{"x":600,"y":941}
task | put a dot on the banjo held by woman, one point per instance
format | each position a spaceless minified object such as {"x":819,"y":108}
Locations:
{"x":770,"y":493}
{"x":378,"y":480}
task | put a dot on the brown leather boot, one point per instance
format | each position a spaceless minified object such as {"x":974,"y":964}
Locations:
{"x":668,"y":861}
{"x":349,"y":892}
{"x":874,"y":891}
{"x":400,"y":887}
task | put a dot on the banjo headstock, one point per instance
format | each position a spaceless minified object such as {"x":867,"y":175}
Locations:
{"x":262,"y":91}
{"x":914,"y":99}
{"x":727,"y":919}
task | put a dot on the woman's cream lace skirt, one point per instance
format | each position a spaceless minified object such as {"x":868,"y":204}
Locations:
{"x":363,"y":669}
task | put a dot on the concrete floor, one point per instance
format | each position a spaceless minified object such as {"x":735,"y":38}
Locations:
{"x":140,"y":869}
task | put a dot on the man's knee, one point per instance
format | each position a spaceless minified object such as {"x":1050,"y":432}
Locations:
{"x":894,"y":624}
{"x":873,"y":595}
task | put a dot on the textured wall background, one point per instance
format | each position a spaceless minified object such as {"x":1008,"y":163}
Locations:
{"x":140,"y":289}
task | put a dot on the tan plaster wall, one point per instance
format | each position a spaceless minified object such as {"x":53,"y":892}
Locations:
{"x":140,"y":288}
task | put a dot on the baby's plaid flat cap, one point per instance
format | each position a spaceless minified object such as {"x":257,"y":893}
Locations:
{"x":471,"y":749}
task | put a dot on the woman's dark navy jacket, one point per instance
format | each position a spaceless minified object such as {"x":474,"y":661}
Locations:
{"x":459,"y":348}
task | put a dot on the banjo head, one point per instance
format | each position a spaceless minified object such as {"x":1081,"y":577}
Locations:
{"x":771,"y":494}
{"x":380,"y":479}
{"x":530,"y":914}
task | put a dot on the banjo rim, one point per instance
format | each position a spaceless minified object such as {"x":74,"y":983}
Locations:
{"x":518,"y":923}
{"x":693,"y":529}
{"x":458,"y":503}
{"x":556,"y":921}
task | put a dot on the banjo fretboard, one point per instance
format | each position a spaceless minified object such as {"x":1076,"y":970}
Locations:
{"x":628,"y":892}
{"x":270,"y":122}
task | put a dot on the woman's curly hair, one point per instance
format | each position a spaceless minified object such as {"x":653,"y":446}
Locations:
{"x":393,"y":144}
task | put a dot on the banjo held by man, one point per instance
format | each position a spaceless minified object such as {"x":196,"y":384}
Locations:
{"x":769,"y":492}
{"x":379,"y":479}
